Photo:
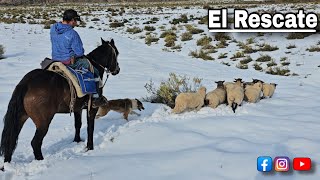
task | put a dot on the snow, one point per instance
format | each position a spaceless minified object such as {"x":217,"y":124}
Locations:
{"x":209,"y":144}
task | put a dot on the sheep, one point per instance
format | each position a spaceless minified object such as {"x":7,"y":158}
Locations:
{"x":268,"y":89}
{"x":217,"y":96}
{"x":186,"y":101}
{"x":252,"y":93}
{"x":235,"y":94}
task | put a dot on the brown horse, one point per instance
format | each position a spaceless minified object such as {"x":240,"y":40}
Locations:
{"x":41,"y":94}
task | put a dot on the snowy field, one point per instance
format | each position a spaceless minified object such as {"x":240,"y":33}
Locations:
{"x":209,"y":144}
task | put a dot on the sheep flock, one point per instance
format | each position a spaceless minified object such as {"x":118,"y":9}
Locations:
{"x":231,"y":93}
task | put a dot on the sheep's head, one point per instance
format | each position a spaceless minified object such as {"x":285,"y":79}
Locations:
{"x":220,"y":84}
{"x":239,"y":82}
{"x":274,"y":84}
{"x":257,"y":80}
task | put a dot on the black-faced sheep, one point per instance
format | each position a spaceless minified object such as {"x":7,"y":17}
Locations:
{"x":252,"y":93}
{"x":235,"y":94}
{"x":217,"y":96}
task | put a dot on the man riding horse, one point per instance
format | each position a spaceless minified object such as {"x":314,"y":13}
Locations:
{"x":67,"y":48}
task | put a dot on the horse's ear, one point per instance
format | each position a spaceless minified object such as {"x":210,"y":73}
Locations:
{"x":112,"y":42}
{"x":103,"y":42}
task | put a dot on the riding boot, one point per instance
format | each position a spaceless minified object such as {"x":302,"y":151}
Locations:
{"x":98,"y":99}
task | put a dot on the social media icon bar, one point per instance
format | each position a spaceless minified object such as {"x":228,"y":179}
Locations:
{"x":264,"y":163}
{"x":302,"y":164}
{"x":281,"y":164}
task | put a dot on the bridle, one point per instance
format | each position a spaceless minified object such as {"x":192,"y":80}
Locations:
{"x":105,"y":69}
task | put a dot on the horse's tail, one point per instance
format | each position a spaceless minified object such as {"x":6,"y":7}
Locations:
{"x":12,"y":122}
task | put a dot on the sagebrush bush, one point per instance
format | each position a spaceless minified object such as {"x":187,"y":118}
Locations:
{"x":193,"y":30}
{"x":222,"y":55}
{"x":205,"y":40}
{"x":278,"y":71}
{"x":238,"y":54}
{"x":149,"y":28}
{"x":170,"y":40}
{"x":313,"y":49}
{"x":150,"y":38}
{"x":1,"y":51}
{"x":264,"y":58}
{"x":246,"y":60}
{"x":201,"y":54}
{"x":242,"y":66}
{"x":186,"y":36}
{"x":257,"y":67}
{"x":298,"y":35}
{"x":168,"y":90}
{"x":116,"y":24}
{"x":220,"y":36}
{"x":134,"y":30}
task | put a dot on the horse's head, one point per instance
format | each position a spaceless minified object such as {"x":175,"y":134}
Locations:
{"x":112,"y":58}
{"x":106,"y":55}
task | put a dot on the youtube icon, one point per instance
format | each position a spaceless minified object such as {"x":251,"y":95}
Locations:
{"x":302,"y":164}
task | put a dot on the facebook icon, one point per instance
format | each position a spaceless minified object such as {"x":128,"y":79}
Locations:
{"x":264,"y":163}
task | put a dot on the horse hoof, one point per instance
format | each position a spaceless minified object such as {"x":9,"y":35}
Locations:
{"x":78,"y":140}
{"x":39,"y":158}
{"x":2,"y":168}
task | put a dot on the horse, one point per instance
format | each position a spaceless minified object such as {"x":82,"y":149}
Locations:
{"x":42,"y":93}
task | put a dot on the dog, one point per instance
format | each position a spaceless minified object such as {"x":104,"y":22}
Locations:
{"x":125,"y":106}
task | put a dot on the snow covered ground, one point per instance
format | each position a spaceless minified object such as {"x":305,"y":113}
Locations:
{"x":209,"y":144}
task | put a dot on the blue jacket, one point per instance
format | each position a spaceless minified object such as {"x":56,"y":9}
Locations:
{"x":65,"y":42}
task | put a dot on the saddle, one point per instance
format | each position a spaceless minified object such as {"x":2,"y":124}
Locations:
{"x":61,"y":69}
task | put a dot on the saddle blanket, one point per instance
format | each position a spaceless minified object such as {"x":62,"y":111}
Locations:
{"x":85,"y":79}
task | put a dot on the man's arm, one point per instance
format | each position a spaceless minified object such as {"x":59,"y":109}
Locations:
{"x":77,"y":45}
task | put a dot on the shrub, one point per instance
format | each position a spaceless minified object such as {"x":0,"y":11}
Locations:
{"x":278,"y":71}
{"x":95,"y":19}
{"x":250,"y":40}
{"x":204,"y":41}
{"x":257,"y":67}
{"x":134,"y":30}
{"x":222,"y":55}
{"x":149,"y":28}
{"x":170,"y":40}
{"x":285,"y":63}
{"x":204,"y":20}
{"x":222,"y":44}
{"x":193,"y":30}
{"x":246,"y":60}
{"x":267,"y":47}
{"x":272,"y":63}
{"x":313,"y":49}
{"x":186,"y":36}
{"x":150,"y":38}
{"x":168,"y":90}
{"x":298,"y":35}
{"x":242,"y":66}
{"x":167,"y":33}
{"x":291,"y":46}
{"x":238,"y":54}
{"x":116,"y":24}
{"x":201,"y":54}
{"x":183,"y":19}
{"x":1,"y":51}
{"x":264,"y":58}
{"x":283,"y":58}
{"x":220,"y":36}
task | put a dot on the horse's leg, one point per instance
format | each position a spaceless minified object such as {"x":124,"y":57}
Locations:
{"x":90,"y":120}
{"x":42,"y":129}
{"x":77,"y":125}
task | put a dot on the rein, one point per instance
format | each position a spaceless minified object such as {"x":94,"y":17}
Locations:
{"x":104,"y":68}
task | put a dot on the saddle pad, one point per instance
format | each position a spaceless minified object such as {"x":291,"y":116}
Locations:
{"x":86,"y":80}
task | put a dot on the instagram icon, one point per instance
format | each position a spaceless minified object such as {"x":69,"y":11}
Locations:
{"x":281,"y":164}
